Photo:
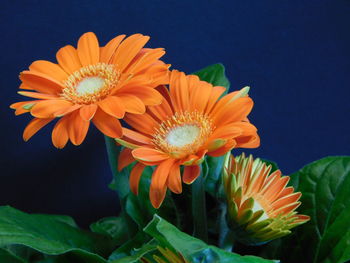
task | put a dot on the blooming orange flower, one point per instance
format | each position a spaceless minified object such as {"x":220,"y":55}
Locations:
{"x":260,"y":205}
{"x":91,"y":83}
{"x":191,"y":122}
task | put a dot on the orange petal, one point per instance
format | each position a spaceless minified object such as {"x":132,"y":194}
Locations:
{"x":135,"y":176}
{"x":132,"y":104}
{"x":41,"y":82}
{"x":216,"y":92}
{"x":107,"y":51}
{"x":149,"y":156}
{"x":23,"y":106}
{"x":67,"y":110}
{"x":228,"y":131}
{"x":190,"y":174}
{"x":47,"y":108}
{"x":137,"y":137}
{"x":38,"y":95}
{"x":60,"y":133}
{"x":148,"y":96}
{"x":174,"y":179}
{"x":113,"y":106}
{"x":107,"y":124}
{"x":87,"y":112}
{"x":145,"y":58}
{"x":125,"y":158}
{"x":224,"y":149}
{"x":77,"y":128}
{"x":128,"y":49}
{"x":143,"y":123}
{"x":34,"y":126}
{"x":179,"y":91}
{"x":199,"y":92}
{"x":158,"y":182}
{"x":48,"y":68}
{"x":68,"y":59}
{"x":238,"y":110}
{"x":88,"y":49}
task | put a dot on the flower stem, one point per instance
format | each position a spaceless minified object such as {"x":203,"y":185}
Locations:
{"x":199,"y":212}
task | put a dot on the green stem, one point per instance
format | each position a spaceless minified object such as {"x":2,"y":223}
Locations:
{"x":113,"y":153}
{"x":226,"y":238}
{"x":199,"y":212}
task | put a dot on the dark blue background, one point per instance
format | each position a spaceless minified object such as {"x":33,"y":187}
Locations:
{"x":294,"y":54}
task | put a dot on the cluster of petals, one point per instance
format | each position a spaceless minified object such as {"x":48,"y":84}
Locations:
{"x":261,"y":207}
{"x":194,"y":120}
{"x":91,"y":83}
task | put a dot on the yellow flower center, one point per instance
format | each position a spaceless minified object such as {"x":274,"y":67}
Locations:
{"x":183,"y":133}
{"x":91,"y":83}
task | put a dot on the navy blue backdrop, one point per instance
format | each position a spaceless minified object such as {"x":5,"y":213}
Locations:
{"x":294,"y":54}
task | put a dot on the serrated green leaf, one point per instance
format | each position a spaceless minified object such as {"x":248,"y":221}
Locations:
{"x":193,"y":249}
{"x":50,"y":235}
{"x":214,"y":74}
{"x":325,"y":185}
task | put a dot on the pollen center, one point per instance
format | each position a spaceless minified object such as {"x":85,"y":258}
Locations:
{"x":91,"y":83}
{"x":183,"y":134}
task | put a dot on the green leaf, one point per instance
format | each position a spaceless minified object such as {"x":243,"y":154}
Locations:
{"x":325,"y":185}
{"x":137,"y":254}
{"x":194,"y":250}
{"x":50,"y":235}
{"x":7,"y":257}
{"x":115,"y":227}
{"x":214,"y":74}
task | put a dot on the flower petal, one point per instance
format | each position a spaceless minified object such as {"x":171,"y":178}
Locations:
{"x":47,"y":108}
{"x":87,"y":112}
{"x":148,"y":96}
{"x":108,"y":50}
{"x":158,"y":182}
{"x":179,"y":91}
{"x":174,"y":179}
{"x":48,"y":68}
{"x":230,"y":144}
{"x":107,"y":124}
{"x":88,"y":49}
{"x":113,"y":106}
{"x":60,"y":133}
{"x":143,"y":123}
{"x":34,"y":126}
{"x":190,"y":174}
{"x":149,"y":156}
{"x":77,"y":128}
{"x":132,"y":104}
{"x":135,"y":176}
{"x":38,"y":95}
{"x":41,"y":82}
{"x":137,"y":137}
{"x":68,"y":59}
{"x":128,"y":49}
{"x":125,"y":158}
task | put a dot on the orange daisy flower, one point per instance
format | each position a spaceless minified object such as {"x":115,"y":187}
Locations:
{"x":91,"y":83}
{"x":260,"y":205}
{"x":191,"y":122}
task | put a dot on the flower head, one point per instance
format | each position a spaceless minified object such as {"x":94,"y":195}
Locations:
{"x":260,"y":205}
{"x":91,"y":83}
{"x":192,"y":121}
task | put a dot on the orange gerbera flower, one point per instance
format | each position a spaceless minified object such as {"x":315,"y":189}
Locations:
{"x":191,"y":122}
{"x":91,"y":83}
